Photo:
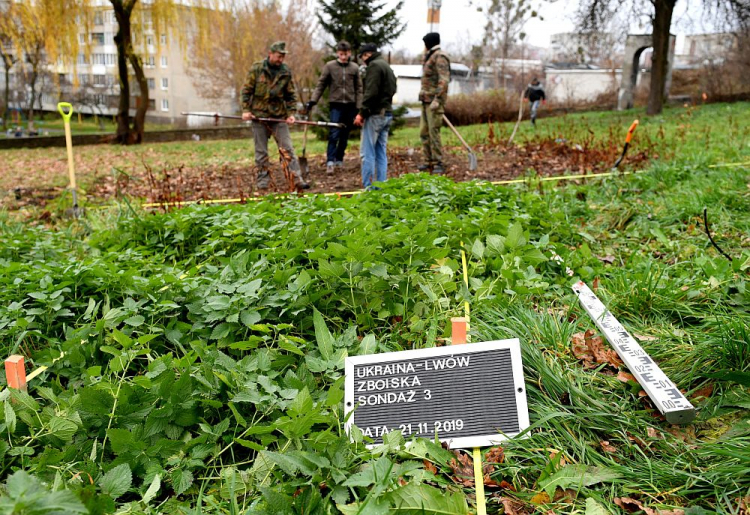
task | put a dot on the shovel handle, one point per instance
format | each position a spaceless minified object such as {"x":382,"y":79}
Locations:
{"x":61,"y":106}
{"x":631,"y":130}
{"x":455,"y":131}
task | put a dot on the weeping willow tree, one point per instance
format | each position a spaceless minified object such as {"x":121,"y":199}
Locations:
{"x":37,"y":35}
{"x":229,"y":39}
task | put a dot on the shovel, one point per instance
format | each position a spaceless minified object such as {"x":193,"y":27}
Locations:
{"x":472,"y":155}
{"x":303,"y":158}
{"x":61,"y":107}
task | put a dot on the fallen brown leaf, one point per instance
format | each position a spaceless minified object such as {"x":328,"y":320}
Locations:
{"x":463,"y":469}
{"x":567,"y":496}
{"x":540,"y":498}
{"x":607,"y":447}
{"x":632,"y":505}
{"x":703,"y":393}
{"x":495,"y":455}
{"x":645,"y":338}
{"x":686,"y":433}
{"x":591,"y":349}
{"x":514,"y":506}
{"x":626,"y":377}
{"x":429,"y":466}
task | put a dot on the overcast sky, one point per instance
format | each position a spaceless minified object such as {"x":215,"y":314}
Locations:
{"x":461,"y":25}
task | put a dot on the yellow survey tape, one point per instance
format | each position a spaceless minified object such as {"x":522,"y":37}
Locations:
{"x":352,"y":193}
{"x":728,"y":165}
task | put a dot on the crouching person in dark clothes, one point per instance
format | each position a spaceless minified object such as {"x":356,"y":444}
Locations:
{"x":269,"y":93}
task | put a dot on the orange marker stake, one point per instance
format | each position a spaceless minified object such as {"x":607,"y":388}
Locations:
{"x":458,"y":330}
{"x":627,"y":143}
{"x":15,"y":372}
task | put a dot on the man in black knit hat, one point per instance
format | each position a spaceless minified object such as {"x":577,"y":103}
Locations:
{"x":436,"y":74}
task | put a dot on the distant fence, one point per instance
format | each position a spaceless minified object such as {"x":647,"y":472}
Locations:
{"x":209,"y":133}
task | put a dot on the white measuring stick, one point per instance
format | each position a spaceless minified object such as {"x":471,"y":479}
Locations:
{"x":663,"y":392}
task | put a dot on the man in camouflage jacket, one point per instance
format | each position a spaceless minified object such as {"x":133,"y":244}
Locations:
{"x":269,"y":93}
{"x":436,"y":73}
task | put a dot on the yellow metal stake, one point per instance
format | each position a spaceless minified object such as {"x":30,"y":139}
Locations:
{"x":61,"y":107}
{"x":477,"y":453}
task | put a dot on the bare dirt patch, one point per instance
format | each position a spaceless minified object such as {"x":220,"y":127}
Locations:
{"x":496,"y":162}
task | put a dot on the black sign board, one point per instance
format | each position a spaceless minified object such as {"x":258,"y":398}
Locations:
{"x":471,"y":395}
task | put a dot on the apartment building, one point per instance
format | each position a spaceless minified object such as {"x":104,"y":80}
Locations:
{"x":93,"y":85}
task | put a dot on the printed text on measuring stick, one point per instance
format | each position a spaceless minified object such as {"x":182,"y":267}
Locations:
{"x":666,"y":396}
{"x":464,"y":394}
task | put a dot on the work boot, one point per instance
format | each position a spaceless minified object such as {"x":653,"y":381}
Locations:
{"x":424,"y":167}
{"x":329,"y":168}
{"x":338,"y":164}
{"x":438,"y":169}
{"x":262,"y":180}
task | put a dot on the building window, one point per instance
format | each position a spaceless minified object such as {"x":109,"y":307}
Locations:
{"x":83,"y":79}
{"x":98,"y":18}
{"x":97,"y":38}
{"x":164,"y":104}
{"x":149,"y":40}
{"x":163,"y":39}
{"x":82,"y":39}
{"x":109,"y":38}
{"x":151,"y":83}
{"x":164,"y":83}
{"x":82,"y":59}
{"x":100,"y":80}
{"x":164,"y":61}
{"x":110,"y":59}
{"x":150,"y":62}
{"x":151,"y":104}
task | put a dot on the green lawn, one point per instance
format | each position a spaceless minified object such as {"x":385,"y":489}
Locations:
{"x":195,"y":358}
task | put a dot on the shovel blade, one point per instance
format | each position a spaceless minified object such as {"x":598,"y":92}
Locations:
{"x":472,"y":161}
{"x":304,"y":168}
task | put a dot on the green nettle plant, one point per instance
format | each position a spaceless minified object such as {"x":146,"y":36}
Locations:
{"x":195,"y":358}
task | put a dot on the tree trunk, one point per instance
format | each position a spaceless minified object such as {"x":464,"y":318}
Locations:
{"x":124,"y":43}
{"x":8,"y":62}
{"x":139,"y":124}
{"x":663,"y":10}
{"x":32,"y":85}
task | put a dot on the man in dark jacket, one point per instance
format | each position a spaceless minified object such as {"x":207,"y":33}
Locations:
{"x":376,"y":115}
{"x":535,"y":93}
{"x":341,"y":76}
{"x":436,"y":74}
{"x":269,"y":93}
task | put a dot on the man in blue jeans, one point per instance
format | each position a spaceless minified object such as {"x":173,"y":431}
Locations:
{"x":341,"y":77}
{"x":376,"y":115}
{"x":535,"y":93}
